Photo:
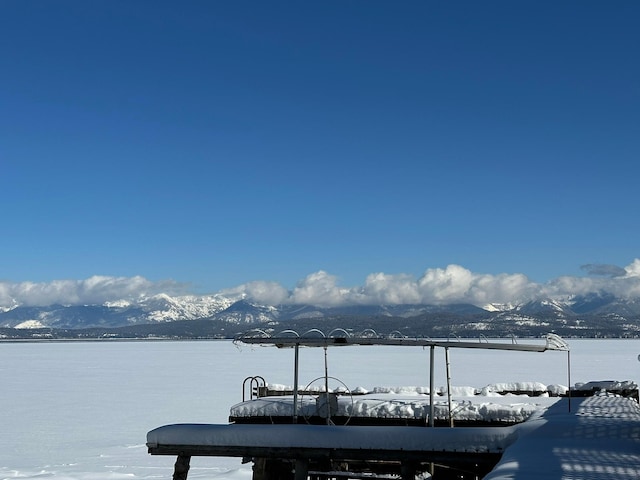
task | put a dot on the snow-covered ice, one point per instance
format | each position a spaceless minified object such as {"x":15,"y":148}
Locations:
{"x":81,"y":410}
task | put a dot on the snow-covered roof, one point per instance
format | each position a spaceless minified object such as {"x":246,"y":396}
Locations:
{"x":339,"y":337}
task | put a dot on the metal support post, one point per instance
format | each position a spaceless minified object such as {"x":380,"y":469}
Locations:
{"x":432,"y":388}
{"x":295,"y":382}
{"x":446,"y":356}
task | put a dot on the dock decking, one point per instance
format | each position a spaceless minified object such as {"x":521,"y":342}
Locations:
{"x":599,"y":439}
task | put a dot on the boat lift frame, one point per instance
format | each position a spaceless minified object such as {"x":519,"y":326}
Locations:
{"x":340,"y":337}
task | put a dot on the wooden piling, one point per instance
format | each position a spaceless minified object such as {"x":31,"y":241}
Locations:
{"x":181,"y":467}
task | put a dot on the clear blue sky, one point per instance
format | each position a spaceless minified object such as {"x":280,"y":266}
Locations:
{"x":217,"y":143}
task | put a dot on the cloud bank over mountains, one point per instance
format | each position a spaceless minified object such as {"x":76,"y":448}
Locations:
{"x":440,"y":286}
{"x":95,"y":290}
{"x":449,"y":285}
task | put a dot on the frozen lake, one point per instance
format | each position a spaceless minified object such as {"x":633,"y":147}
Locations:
{"x":81,"y":410}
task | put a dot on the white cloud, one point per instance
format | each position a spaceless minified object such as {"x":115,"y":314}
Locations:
{"x":633,"y":270}
{"x":449,"y":285}
{"x":390,"y":289}
{"x":452,"y":284}
{"x":94,"y":290}
{"x":319,"y":288}
{"x":270,"y":293}
{"x":624,"y":286}
{"x":456,"y":284}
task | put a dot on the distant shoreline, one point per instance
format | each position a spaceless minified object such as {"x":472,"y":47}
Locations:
{"x":108,"y":340}
{"x":215,"y":339}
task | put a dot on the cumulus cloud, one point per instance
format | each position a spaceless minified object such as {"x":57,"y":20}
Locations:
{"x":270,"y":293}
{"x":382,"y":288}
{"x":94,"y":290}
{"x":451,"y":284}
{"x":319,"y":288}
{"x":633,"y":270}
{"x":621,"y":282}
{"x":456,"y":284}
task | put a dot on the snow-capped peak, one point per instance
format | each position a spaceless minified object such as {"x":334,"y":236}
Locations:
{"x":498,"y":307}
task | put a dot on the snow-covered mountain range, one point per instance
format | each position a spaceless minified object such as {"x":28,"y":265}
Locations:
{"x":160,"y":309}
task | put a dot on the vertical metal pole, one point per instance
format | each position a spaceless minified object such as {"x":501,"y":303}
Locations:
{"x":326,"y":386}
{"x":431,"y":387}
{"x":569,"y":377}
{"x":432,"y":394}
{"x":295,"y":383}
{"x":446,"y":355}
{"x":326,"y":371}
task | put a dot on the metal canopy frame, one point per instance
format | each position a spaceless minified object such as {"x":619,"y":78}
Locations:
{"x":288,"y":341}
{"x":341,"y":338}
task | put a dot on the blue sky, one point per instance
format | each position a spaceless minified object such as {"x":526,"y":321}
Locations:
{"x":213,"y":144}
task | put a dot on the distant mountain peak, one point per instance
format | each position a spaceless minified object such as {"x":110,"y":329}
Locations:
{"x":598,"y":309}
{"x":498,"y":307}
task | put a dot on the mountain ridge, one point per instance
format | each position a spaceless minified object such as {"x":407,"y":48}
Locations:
{"x":579,"y":315}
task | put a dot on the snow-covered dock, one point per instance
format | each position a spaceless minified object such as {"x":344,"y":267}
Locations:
{"x":512,"y":431}
{"x":322,"y":447}
{"x":598,"y":439}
